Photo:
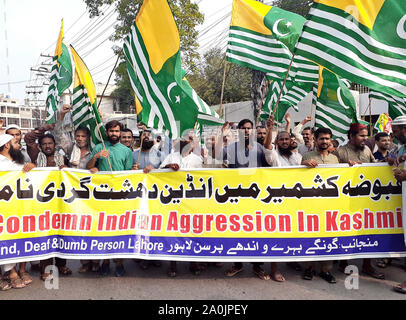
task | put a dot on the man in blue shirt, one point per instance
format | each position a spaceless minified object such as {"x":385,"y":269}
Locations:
{"x":115,"y":157}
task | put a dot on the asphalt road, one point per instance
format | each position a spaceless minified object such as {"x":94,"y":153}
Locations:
{"x":153,"y":284}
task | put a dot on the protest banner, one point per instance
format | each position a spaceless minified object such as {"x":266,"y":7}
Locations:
{"x":248,"y":215}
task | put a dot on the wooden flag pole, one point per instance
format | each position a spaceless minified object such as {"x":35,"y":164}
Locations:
{"x":98,"y":108}
{"x":280,"y":94}
{"x":261,"y":104}
{"x":139,"y":153}
{"x":370,"y":117}
{"x":222,"y":89}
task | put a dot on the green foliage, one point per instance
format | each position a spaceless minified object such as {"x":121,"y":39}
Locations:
{"x":301,"y":7}
{"x":208,"y":79}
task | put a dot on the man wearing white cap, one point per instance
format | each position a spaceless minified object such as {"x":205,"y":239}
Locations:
{"x":11,"y":158}
{"x":15,"y":131}
{"x":399,"y":131}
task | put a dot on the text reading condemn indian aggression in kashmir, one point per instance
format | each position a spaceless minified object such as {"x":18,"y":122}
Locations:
{"x":219,"y":213}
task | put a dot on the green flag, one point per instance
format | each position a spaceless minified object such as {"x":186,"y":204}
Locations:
{"x":61,"y":78}
{"x":335,"y":106}
{"x":152,"y":52}
{"x":396,"y":105}
{"x":360,"y":40}
{"x":85,"y":111}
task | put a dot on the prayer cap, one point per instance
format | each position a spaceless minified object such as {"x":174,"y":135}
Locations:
{"x":13,"y":126}
{"x":399,"y":121}
{"x":5,"y":138}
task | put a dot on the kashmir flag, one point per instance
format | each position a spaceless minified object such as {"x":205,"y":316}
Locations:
{"x":335,"y":106}
{"x":263,"y":37}
{"x":85,"y":111}
{"x":152,"y":52}
{"x":396,"y":105}
{"x":293,"y":94}
{"x":61,"y":78}
{"x":272,"y":98}
{"x":361,"y":40}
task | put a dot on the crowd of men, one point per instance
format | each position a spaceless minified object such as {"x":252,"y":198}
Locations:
{"x":263,"y":146}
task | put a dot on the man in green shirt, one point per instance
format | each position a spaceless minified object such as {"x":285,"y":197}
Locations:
{"x":115,"y":157}
{"x":119,"y":156}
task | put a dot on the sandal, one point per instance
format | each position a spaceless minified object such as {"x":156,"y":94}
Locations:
{"x":261,"y":274}
{"x":85,"y":267}
{"x":233,"y":271}
{"x":17,"y":283}
{"x":277,"y":276}
{"x":25,"y":277}
{"x":401,"y":288}
{"x":65,"y":271}
{"x":5,"y":286}
{"x":374,"y":274}
{"x":46,"y":277}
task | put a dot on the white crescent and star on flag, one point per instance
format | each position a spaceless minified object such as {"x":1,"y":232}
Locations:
{"x":401,"y":28}
{"x":170,"y":87}
{"x":275,"y":28}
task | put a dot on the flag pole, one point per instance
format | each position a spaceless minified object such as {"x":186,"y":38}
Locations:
{"x":280,"y":93}
{"x":370,"y":117}
{"x":222,"y":89}
{"x":261,"y":104}
{"x":108,"y":81}
{"x":98,"y":108}
{"x":139,"y":153}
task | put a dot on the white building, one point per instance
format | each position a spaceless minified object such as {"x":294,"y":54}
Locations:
{"x":27,"y":117}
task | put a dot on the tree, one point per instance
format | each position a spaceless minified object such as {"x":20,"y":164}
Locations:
{"x":187,"y":17}
{"x":208,"y":79}
{"x":301,"y":7}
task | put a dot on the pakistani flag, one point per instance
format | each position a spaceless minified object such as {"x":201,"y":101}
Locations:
{"x":263,"y":37}
{"x":361,"y":40}
{"x":85,"y":111}
{"x":61,"y":78}
{"x":396,"y":105}
{"x":335,"y":106}
{"x":152,"y":52}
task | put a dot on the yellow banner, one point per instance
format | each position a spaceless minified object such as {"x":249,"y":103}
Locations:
{"x":217,"y":215}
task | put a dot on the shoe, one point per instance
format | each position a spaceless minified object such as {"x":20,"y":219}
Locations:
{"x":308,"y":274}
{"x":328,"y":277}
{"x":120,"y":271}
{"x":401,"y":288}
{"x":105,"y":270}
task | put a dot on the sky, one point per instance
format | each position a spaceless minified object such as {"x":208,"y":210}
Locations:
{"x":33,"y":26}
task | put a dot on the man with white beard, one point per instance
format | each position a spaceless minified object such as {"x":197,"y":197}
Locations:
{"x":11,"y":158}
